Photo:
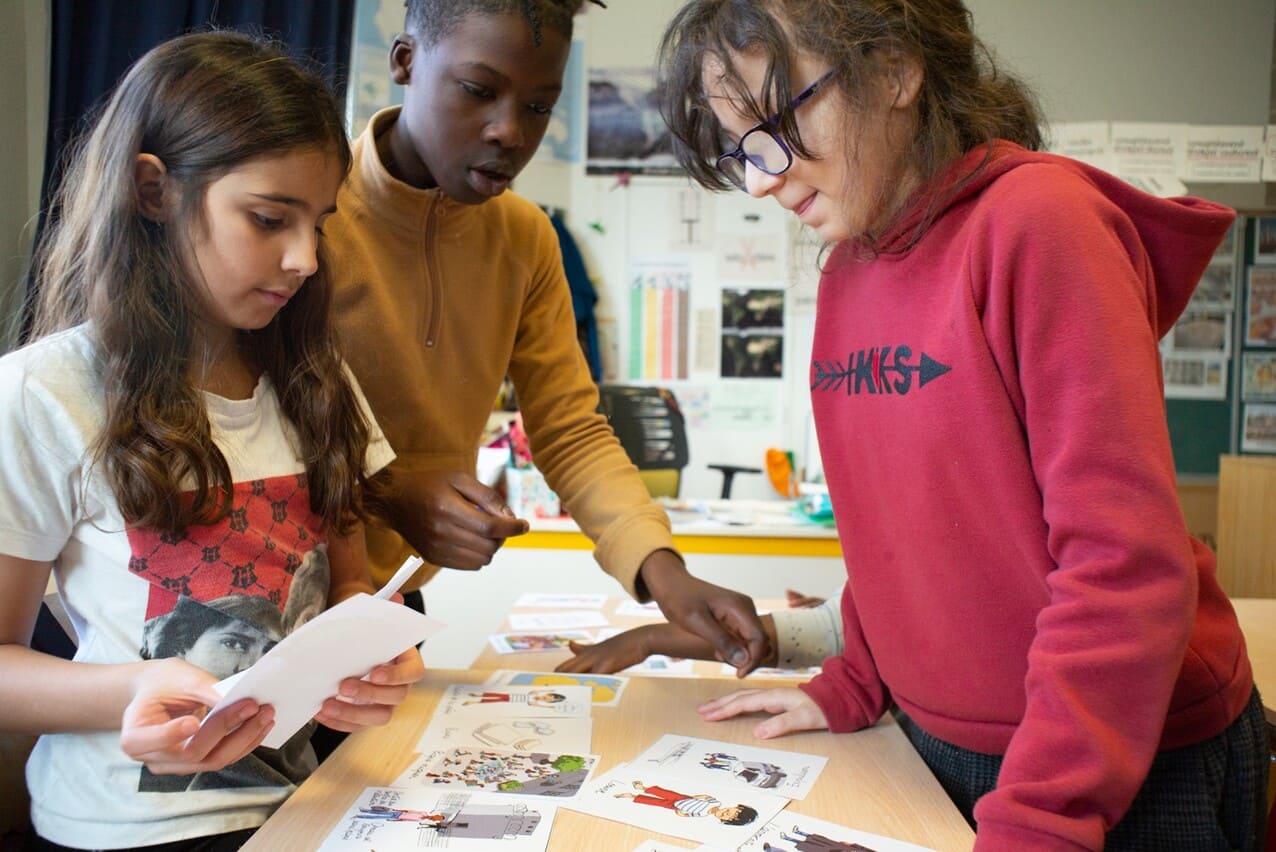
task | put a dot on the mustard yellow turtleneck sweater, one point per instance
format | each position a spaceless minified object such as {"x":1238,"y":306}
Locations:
{"x":436,"y":302}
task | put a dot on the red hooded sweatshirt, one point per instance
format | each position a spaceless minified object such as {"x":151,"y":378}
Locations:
{"x":991,"y":418}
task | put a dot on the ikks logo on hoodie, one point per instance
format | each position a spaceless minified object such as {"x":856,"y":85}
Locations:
{"x":885,"y":369}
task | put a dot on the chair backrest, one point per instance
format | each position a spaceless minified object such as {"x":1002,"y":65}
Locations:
{"x":650,"y":427}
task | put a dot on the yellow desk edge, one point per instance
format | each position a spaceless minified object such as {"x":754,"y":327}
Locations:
{"x":722,"y":544}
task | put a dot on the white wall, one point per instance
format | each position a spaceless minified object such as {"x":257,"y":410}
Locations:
{"x":1133,"y":60}
{"x":23,"y":104}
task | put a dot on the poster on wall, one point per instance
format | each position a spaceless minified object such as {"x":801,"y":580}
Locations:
{"x":1260,"y":307}
{"x":1217,"y":287}
{"x":375,"y":24}
{"x":1258,"y":429}
{"x":562,"y":140}
{"x":1194,"y":377}
{"x":626,"y":132}
{"x":1202,"y":332}
{"x":659,"y":296}
{"x":752,"y":334}
{"x":1265,"y":241}
{"x":1258,"y":377}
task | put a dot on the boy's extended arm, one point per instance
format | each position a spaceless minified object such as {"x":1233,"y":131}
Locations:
{"x":635,"y":645}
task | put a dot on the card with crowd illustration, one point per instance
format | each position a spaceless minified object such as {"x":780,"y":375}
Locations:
{"x":522,"y":773}
{"x":574,"y":734}
{"x":793,"y":832}
{"x":387,"y":819}
{"x":785,"y":773}
{"x":673,"y":805}
{"x":482,"y":701}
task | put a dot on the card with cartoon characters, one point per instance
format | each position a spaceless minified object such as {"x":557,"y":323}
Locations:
{"x":784,"y":773}
{"x":500,"y":771}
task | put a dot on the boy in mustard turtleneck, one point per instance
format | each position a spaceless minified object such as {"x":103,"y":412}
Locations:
{"x":446,"y":282}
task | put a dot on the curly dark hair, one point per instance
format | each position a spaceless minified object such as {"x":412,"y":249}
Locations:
{"x":430,"y":21}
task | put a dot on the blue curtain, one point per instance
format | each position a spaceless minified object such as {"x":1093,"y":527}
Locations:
{"x":93,"y":42}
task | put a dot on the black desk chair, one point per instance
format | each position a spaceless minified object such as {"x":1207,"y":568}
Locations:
{"x":651,"y":429}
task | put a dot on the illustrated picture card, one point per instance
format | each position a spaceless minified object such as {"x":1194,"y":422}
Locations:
{"x":523,"y":643}
{"x":387,"y":819}
{"x":663,"y":666}
{"x":794,"y":832}
{"x":633,"y":609}
{"x":561,"y":600}
{"x":481,"y":701}
{"x":573,"y":733}
{"x":565,"y":620}
{"x":785,"y":773}
{"x":605,"y":689}
{"x":500,"y":771}
{"x":804,"y":673}
{"x":666,"y":804}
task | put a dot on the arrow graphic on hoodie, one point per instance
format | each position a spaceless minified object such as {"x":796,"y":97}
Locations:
{"x":885,"y":369}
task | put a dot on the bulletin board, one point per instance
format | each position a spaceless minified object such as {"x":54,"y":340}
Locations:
{"x":1241,"y":379}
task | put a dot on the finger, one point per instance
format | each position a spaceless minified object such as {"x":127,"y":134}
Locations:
{"x":343,"y":715}
{"x":454,"y":554}
{"x":359,"y":691}
{"x":499,"y":519}
{"x":741,"y":619}
{"x":218,"y":727}
{"x":407,"y":669}
{"x":711,"y":709}
{"x":240,"y":742}
{"x":137,"y":742}
{"x":799,"y":719}
{"x":725,"y":646}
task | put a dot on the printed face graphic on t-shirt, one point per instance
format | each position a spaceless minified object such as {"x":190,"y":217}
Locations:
{"x":224,"y":594}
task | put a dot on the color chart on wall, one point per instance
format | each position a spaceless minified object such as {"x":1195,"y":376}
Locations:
{"x":658,"y":306}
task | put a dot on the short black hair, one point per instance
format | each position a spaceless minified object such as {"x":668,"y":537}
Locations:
{"x":430,"y":21}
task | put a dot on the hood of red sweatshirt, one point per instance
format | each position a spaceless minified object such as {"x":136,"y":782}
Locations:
{"x":1180,"y":234}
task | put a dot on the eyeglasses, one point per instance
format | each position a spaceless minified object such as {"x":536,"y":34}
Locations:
{"x":762,"y":147}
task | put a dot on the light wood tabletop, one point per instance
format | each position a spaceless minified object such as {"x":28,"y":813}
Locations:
{"x":1258,"y":622}
{"x":874,"y":781}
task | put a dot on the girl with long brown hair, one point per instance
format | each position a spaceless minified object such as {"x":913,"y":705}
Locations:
{"x":180,"y":433}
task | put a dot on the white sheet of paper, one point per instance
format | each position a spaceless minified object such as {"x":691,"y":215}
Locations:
{"x":783,"y":834}
{"x":563,"y":600}
{"x":566,"y":620}
{"x":309,"y":664}
{"x":712,"y":762}
{"x":633,"y":608}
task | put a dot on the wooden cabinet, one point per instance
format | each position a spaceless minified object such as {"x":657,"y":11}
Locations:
{"x":1247,"y":526}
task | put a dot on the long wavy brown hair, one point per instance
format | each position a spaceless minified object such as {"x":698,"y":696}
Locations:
{"x":205,"y":104}
{"x":965,"y":100}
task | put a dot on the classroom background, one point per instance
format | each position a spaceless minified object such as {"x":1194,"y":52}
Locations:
{"x":712,"y":296}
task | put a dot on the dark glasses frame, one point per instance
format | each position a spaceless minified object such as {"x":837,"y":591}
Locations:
{"x":738,"y":154}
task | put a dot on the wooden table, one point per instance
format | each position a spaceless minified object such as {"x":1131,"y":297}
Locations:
{"x":1258,"y":623}
{"x":874,"y":781}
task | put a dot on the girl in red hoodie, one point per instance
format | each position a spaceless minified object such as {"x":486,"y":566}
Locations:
{"x":987,"y":392}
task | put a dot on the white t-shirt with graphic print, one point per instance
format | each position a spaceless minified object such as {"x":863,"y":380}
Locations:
{"x":219,"y":595}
